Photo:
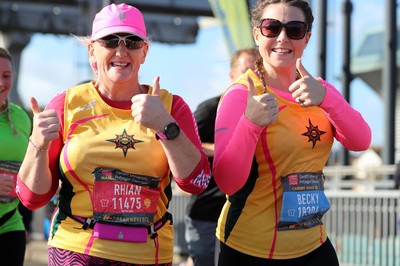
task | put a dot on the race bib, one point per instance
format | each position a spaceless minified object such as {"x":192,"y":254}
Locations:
{"x":124,"y":198}
{"x":304,"y":201}
{"x":9,"y":169}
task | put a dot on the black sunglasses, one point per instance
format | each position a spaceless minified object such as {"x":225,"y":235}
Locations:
{"x":131,"y":41}
{"x":271,"y":28}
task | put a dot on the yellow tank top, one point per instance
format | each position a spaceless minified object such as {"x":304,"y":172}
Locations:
{"x":299,"y":141}
{"x":99,"y":135}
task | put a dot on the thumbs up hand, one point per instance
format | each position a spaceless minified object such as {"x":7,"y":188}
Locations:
{"x":46,"y":125}
{"x":149,"y":110}
{"x":262,"y":109}
{"x":307,"y":90}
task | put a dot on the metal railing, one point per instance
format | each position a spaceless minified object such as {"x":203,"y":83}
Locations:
{"x":376,"y":177}
{"x":363,"y":226}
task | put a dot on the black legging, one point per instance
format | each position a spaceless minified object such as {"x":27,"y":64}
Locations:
{"x":12,"y":251}
{"x":324,"y":255}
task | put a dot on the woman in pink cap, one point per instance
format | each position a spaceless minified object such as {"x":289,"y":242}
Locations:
{"x":115,"y":145}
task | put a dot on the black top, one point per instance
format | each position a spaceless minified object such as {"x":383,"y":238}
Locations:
{"x":207,"y":205}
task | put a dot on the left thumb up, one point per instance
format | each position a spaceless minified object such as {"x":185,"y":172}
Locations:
{"x":301,"y":69}
{"x":156,"y":86}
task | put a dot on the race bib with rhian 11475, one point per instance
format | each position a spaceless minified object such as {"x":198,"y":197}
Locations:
{"x":124,"y":198}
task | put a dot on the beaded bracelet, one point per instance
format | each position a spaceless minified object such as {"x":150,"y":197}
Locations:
{"x":35,"y":147}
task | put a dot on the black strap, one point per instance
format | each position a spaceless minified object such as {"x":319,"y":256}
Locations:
{"x":7,"y":216}
{"x":151,"y":229}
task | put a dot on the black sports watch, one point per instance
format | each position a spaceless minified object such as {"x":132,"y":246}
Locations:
{"x":171,"y":131}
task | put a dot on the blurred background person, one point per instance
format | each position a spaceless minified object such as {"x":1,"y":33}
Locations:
{"x":203,"y":209}
{"x":15,"y":127}
{"x":27,"y":216}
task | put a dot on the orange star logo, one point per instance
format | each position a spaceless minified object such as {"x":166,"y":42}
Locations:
{"x":124,"y":142}
{"x":313,"y":133}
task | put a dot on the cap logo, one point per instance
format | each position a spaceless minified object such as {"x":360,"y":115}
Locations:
{"x":121,"y":16}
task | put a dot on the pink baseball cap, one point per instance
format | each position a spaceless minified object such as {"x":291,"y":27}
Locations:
{"x":120,"y":18}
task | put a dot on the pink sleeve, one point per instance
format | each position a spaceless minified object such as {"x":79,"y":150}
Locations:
{"x":30,"y":199}
{"x":350,"y":128}
{"x":200,"y":177}
{"x":235,"y":141}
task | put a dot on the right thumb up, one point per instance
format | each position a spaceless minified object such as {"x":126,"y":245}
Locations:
{"x":34,"y":106}
{"x":261,"y":109}
{"x":46,"y":124}
{"x":252,"y":90}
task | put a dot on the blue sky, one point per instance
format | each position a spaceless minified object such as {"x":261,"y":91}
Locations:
{"x":198,"y":71}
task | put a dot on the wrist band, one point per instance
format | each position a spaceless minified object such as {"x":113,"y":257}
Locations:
{"x":35,"y":147}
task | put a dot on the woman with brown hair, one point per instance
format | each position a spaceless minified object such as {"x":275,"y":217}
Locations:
{"x":275,"y":129}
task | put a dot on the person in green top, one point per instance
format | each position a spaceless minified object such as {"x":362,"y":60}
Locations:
{"x":15,"y":127}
